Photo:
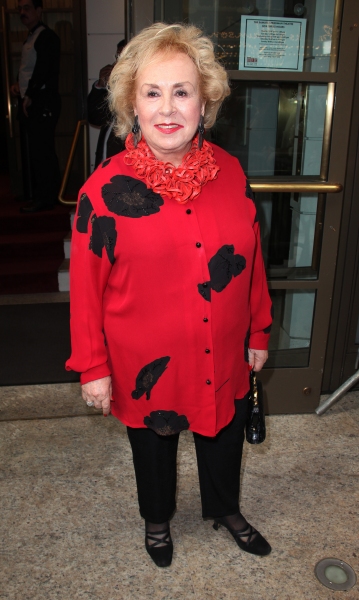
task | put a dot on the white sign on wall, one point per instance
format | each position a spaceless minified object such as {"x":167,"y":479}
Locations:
{"x":271,"y":44}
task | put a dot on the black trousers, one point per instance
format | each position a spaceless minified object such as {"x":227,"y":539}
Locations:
{"x":219,"y":464}
{"x":40,"y":166}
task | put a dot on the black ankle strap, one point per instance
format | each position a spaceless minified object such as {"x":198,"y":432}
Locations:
{"x":153,"y":536}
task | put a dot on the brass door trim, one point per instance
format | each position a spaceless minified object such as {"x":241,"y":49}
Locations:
{"x":7,"y":76}
{"x":338,"y":11}
{"x":318,"y":187}
{"x":318,"y":233}
{"x":70,"y":159}
{"x":327,"y":133}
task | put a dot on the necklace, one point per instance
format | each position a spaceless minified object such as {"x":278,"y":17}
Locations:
{"x":181,"y":183}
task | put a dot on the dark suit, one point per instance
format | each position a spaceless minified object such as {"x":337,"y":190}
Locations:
{"x":41,"y":174}
{"x":100,"y":116}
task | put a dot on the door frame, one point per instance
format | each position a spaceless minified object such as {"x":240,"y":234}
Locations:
{"x":342,"y":351}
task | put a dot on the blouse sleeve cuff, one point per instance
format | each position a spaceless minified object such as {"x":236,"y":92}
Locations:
{"x":259,"y":341}
{"x":95,"y":373}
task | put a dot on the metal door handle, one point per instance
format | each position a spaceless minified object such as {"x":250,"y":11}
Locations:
{"x":305,"y":187}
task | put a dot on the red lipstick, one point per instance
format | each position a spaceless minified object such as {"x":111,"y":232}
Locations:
{"x":168,"y":128}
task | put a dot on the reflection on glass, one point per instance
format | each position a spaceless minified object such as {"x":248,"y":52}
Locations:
{"x":61,"y":23}
{"x":273,"y":128}
{"x":17,"y":34}
{"x":292,"y":328}
{"x":58,"y":16}
{"x":222,"y":21}
{"x":290,"y":233}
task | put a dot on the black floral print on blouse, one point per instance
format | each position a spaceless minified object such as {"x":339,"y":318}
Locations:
{"x":104,"y":235}
{"x":250,"y":195}
{"x":106,"y":162}
{"x":222,"y":267}
{"x":148,"y":377}
{"x":269,"y":328}
{"x":83,"y":213}
{"x":129,"y":197}
{"x":166,"y":422}
{"x":249,"y":192}
{"x":246,"y":346}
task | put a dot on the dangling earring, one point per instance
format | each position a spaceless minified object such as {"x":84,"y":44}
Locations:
{"x":136,"y":130}
{"x":200,"y":132}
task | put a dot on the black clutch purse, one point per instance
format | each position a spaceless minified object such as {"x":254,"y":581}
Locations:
{"x":255,"y":424}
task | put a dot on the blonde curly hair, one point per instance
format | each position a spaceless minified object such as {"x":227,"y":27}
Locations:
{"x":161,"y":38}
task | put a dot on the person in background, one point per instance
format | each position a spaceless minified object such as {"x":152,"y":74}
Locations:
{"x":38,"y":109}
{"x":169,"y":300}
{"x":98,"y":114}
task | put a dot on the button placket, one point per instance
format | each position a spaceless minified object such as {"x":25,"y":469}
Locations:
{"x":204,"y":276}
{"x":208,"y":351}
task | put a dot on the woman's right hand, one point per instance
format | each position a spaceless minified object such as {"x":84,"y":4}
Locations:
{"x":99,"y":392}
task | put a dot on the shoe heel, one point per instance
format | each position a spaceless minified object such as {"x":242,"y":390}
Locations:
{"x":216,"y":525}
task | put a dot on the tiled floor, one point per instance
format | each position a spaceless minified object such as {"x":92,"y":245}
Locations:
{"x":70,"y":527}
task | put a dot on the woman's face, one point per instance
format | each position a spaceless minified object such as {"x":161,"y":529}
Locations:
{"x":168,"y":105}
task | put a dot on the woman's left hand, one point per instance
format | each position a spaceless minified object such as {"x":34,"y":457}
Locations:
{"x":257,"y":358}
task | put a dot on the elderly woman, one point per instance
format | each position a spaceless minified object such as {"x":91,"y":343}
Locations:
{"x":169,"y":302}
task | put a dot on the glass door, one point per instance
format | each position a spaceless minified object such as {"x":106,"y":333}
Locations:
{"x":288,"y":121}
{"x":64,"y":17}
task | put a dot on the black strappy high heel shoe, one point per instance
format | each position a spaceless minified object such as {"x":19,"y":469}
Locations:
{"x":255,"y":542}
{"x":161,"y":555}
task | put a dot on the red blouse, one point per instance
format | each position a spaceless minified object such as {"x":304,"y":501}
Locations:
{"x":167,"y":297}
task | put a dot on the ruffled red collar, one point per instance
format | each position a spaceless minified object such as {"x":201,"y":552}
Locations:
{"x":181,"y":183}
